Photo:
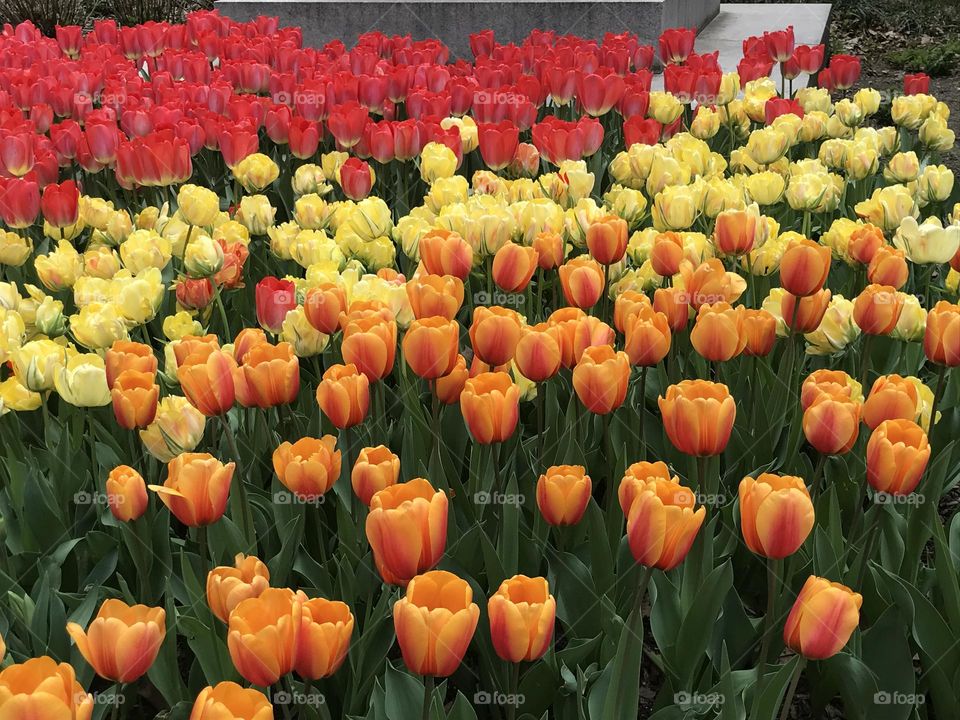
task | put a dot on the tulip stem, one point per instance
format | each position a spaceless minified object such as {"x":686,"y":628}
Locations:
{"x":218,"y":300}
{"x":788,"y":700}
{"x":865,"y":362}
{"x":817,"y":475}
{"x":541,"y":401}
{"x":868,"y":546}
{"x":768,"y":619}
{"x":642,"y":410}
{"x":512,"y":691}
{"x":937,"y":397}
{"x":428,"y":683}
{"x":241,"y":506}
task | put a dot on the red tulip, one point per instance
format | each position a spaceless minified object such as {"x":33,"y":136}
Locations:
{"x":275,"y":298}
{"x":60,"y":204}
{"x":498,"y":143}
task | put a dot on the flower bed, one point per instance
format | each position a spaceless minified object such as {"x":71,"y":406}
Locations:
{"x":360,"y":383}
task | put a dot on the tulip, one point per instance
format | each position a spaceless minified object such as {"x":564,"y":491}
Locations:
{"x":323,"y":307}
{"x":822,"y":619}
{"x":356,"y":178}
{"x":207,"y":379}
{"x":370,"y":344}
{"x":196,"y":488}
{"x":198,"y":205}
{"x":135,"y":397}
{"x":19,"y":202}
{"x":582,"y":281}
{"x":877,"y":309}
{"x":60,"y":204}
{"x":628,"y":304}
{"x":435,"y":295}
{"x":941,"y":339}
{"x":324,"y":638}
{"x":128,"y":355}
{"x":430,"y":346}
{"x":698,"y":416}
{"x":40,"y":688}
{"x":229,"y":701}
{"x":550,"y":249}
{"x":607,"y":239}
{"x":513,"y":266}
{"x":636,"y":479}
{"x":268,"y":376}
{"x":891,"y":397}
{"x":760,"y":331}
{"x":804,"y":267}
{"x":538,"y":353}
{"x":494,"y":334}
{"x":490,"y":403}
{"x":710,"y":282}
{"x":449,"y":387}
{"x":344,"y":395}
{"x":126,"y":493}
{"x":177,"y":427}
{"x":309,"y":467}
{"x":122,"y":641}
{"x":600,"y":379}
{"x":262,"y":635}
{"x":662,"y":523}
{"x":667,"y":253}
{"x":274,"y":299}
{"x":674,"y":303}
{"x":228,"y":586}
{"x":776,"y":514}
{"x":407,"y":529}
{"x":376,"y":468}
{"x":897,"y":455}
{"x":804,"y":314}
{"x":444,"y":252}
{"x":865,"y":240}
{"x":435,"y":622}
{"x":831,"y":383}
{"x":717,"y":333}
{"x":563,"y":493}
{"x":831,"y":423}
{"x":82,"y":382}
{"x":522,"y":615}
{"x":735,"y":231}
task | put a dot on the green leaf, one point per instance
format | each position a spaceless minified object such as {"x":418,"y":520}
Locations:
{"x":404,"y":694}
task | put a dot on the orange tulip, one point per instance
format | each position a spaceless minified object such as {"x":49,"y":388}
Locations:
{"x":600,"y":379}
{"x":323,"y":306}
{"x":229,"y":701}
{"x":832,"y":423}
{"x":513,"y":266}
{"x":122,"y":641}
{"x":760,"y":331}
{"x":228,"y":586}
{"x":647,"y":338}
{"x":430,"y":346}
{"x":370,"y":343}
{"x":582,"y":281}
{"x":897,"y":455}
{"x":550,"y":250}
{"x":877,"y":309}
{"x":432,"y":295}
{"x":675,"y":304}
{"x":365,"y":310}
{"x":891,"y":397}
{"x":864,"y":243}
{"x":190,"y":344}
{"x":407,"y":529}
{"x":126,"y":493}
{"x":435,"y":622}
{"x":828,"y":382}
{"x":522,"y":615}
{"x":718,"y":332}
{"x":246,"y":340}
{"x":196,"y":488}
{"x":449,"y":387}
{"x":42,"y":689}
{"x":128,"y":355}
{"x":823,"y":618}
{"x":628,"y":304}
{"x":735,"y":232}
{"x":309,"y":467}
{"x":636,"y":479}
{"x":324,"y":638}
{"x":576,"y":331}
{"x":804,"y":314}
{"x":344,"y":395}
{"x":941,"y":339}
{"x":889,"y":267}
{"x":262,"y":635}
{"x":444,"y":252}
{"x":776,"y":514}
{"x":490,"y":404}
{"x":607,"y":239}
{"x":135,"y":396}
{"x":662,"y":523}
{"x":376,"y":468}
{"x":667,"y":253}
{"x":804,"y":267}
{"x":698,"y":416}
{"x":494,"y":334}
{"x":563,"y":493}
{"x":206,"y":377}
{"x":538,"y":352}
{"x":710,"y":282}
{"x":269,"y":376}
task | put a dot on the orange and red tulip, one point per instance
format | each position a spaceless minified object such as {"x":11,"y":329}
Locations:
{"x":891,"y":397}
{"x":522,"y":615}
{"x":538,"y":352}
{"x":407,"y":529}
{"x":344,"y":395}
{"x":698,"y":416}
{"x":323,"y":306}
{"x":823,"y":618}
{"x":190,"y":344}
{"x":206,"y":377}
{"x":667,"y":253}
{"x":444,"y":252}
{"x":122,"y":641}
{"x":710,"y":282}
{"x":435,"y":622}
{"x":864,"y":243}
{"x":717,"y":333}
{"x":513,"y":266}
{"x":735,"y":232}
{"x":126,"y":493}
{"x":229,"y":701}
{"x":675,"y":304}
{"x":550,"y":250}
{"x":494,"y":334}
{"x":309,"y":467}
{"x":135,"y":396}
{"x":889,"y":267}
{"x":897,"y":455}
{"x":246,"y":340}
{"x":435,"y":295}
{"x":196,"y":488}
{"x":490,"y":403}
{"x":877,"y":309}
{"x":607,"y":239}
{"x":262,"y":635}
{"x":563,"y":492}
{"x":636,"y":479}
{"x":376,"y":468}
{"x":662,"y":523}
{"x":576,"y":331}
{"x":128,"y":355}
{"x":831,"y":423}
{"x":804,"y":267}
{"x":43,"y":689}
{"x":628,"y":304}
{"x":760,"y":331}
{"x":582,"y":281}
{"x":268,"y":376}
{"x":370,"y":343}
{"x":600,"y":379}
{"x":828,"y":382}
{"x":804,"y":314}
{"x":776,"y":514}
{"x":449,"y":387}
{"x":229,"y":585}
{"x":430,"y":346}
{"x":941,"y":339}
{"x":324,"y":638}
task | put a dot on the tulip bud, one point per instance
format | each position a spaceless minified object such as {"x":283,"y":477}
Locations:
{"x":490,"y":404}
{"x":877,"y":309}
{"x":494,"y":334}
{"x":229,"y":701}
{"x":262,"y":635}
{"x":323,"y":639}
{"x":698,"y":416}
{"x":538,"y":353}
{"x":430,"y":346}
{"x":582,"y":281}
{"x":776,"y":514}
{"x":662,"y":523}
{"x":449,"y":387}
{"x":513,"y":266}
{"x":717,"y":333}
{"x":607,"y":239}
{"x":831,"y":423}
{"x":376,"y":468}
{"x":941,"y":340}
{"x":126,"y":493}
{"x":309,"y":467}
{"x":804,"y":314}
{"x":897,"y":455}
{"x":563,"y":493}
{"x":600,"y":379}
{"x":122,"y":641}
{"x":196,"y":488}
{"x":822,"y":620}
{"x":522,"y":615}
{"x":804,"y":267}
{"x":228,"y":586}
{"x":891,"y":397}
